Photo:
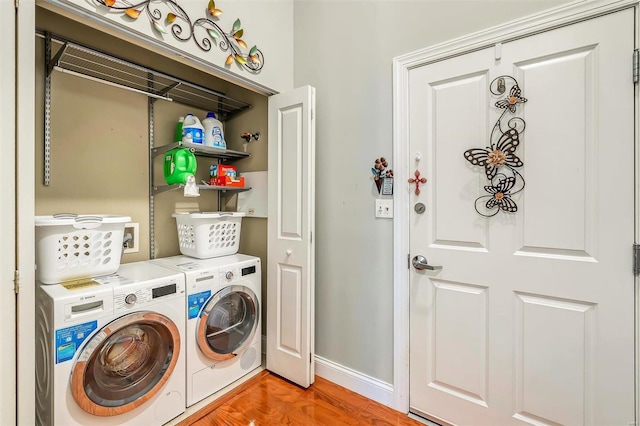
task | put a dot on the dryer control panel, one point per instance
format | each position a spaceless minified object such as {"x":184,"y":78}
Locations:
{"x":239,"y":272}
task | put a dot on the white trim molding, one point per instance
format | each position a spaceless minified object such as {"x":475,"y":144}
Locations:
{"x":8,"y":76}
{"x":547,"y":20}
{"x":25,"y":209}
{"x":357,"y":382}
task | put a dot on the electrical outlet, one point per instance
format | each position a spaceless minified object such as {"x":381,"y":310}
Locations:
{"x":132,"y":245}
{"x":384,"y":208}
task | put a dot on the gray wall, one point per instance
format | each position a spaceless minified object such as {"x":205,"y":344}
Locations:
{"x":345,"y":49}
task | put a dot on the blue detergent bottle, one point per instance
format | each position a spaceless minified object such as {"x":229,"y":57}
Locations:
{"x":192,"y":130}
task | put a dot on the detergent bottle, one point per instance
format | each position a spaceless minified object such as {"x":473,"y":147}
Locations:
{"x":192,"y":130}
{"x":179,"y":164}
{"x":178,"y":136}
{"x":213,"y":134}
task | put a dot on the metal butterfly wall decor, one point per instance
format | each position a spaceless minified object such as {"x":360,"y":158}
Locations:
{"x":499,"y":159}
{"x":205,"y":32}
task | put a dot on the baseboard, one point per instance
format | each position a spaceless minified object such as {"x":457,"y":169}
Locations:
{"x":355,"y":381}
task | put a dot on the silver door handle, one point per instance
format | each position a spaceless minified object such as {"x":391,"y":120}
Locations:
{"x":420,"y":263}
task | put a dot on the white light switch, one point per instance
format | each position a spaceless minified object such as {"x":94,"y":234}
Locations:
{"x":384,"y":208}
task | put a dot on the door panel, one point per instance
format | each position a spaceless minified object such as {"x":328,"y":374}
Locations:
{"x":568,"y":352}
{"x":560,"y":221}
{"x":290,"y":178}
{"x":531,"y":318}
{"x":444,"y":102}
{"x":289,"y":304}
{"x":460,"y":341}
{"x":290,"y":274}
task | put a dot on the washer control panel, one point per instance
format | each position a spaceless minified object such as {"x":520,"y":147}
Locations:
{"x":128,"y":296}
{"x":228,"y":275}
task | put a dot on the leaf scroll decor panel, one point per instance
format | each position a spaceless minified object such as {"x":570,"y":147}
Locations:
{"x":168,"y":16}
{"x":499,"y":158}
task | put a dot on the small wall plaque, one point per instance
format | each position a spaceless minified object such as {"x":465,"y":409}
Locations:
{"x":382,"y":176}
{"x":387,"y":186}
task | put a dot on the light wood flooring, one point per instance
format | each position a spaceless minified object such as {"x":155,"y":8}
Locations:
{"x":270,"y":400}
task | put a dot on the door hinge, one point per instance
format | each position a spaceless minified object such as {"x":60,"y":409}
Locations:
{"x":16,"y":281}
{"x":17,"y":3}
{"x":310,"y":358}
{"x":312,"y":114}
{"x":408,"y":261}
{"x":636,"y":259}
{"x":636,"y":66}
{"x":311,"y":237}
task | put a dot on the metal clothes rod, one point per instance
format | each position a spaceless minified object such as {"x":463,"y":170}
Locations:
{"x":88,"y":77}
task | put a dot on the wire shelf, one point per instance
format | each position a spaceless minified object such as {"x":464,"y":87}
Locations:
{"x":84,"y":62}
{"x":202,"y":151}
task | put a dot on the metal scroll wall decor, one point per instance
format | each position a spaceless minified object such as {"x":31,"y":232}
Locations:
{"x":165,"y":14}
{"x":499,"y":159}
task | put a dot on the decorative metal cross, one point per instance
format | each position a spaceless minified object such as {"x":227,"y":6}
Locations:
{"x":418,"y":180}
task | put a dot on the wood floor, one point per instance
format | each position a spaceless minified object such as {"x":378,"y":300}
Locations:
{"x":270,"y":400}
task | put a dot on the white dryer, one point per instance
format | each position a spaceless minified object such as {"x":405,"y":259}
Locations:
{"x":224,"y":336}
{"x":110,"y":351}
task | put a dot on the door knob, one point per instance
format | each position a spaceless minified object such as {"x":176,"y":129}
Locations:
{"x":420,"y":263}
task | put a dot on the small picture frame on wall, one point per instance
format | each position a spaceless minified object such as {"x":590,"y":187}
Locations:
{"x":387,"y":186}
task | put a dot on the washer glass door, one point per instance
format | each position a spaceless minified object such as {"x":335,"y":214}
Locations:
{"x":125,"y":364}
{"x":228,"y":322}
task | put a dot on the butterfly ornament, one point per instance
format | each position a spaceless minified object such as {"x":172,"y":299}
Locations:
{"x":496,"y":155}
{"x":499,"y":159}
{"x":499,"y":198}
{"x":512,"y":100}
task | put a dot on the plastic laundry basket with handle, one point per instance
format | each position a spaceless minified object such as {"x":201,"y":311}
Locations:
{"x":70,"y":246}
{"x":205,"y":235}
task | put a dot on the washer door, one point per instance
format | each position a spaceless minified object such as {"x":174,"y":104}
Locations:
{"x":125,"y":364}
{"x":228,"y":322}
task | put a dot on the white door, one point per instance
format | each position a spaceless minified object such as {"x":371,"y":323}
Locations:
{"x":531,"y":318}
{"x":290,"y":251}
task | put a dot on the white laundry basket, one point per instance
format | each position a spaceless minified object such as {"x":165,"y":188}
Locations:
{"x":205,"y":235}
{"x":70,"y":246}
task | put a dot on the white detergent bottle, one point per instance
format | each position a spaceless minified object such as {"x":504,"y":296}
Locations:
{"x":213,"y":133}
{"x":192,"y":130}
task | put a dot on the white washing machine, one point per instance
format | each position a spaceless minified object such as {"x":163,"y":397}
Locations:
{"x":110,"y":351}
{"x":224,"y":336}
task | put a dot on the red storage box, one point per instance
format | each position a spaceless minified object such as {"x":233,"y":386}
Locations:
{"x":222,"y":170}
{"x":228,"y":181}
{"x":224,"y":175}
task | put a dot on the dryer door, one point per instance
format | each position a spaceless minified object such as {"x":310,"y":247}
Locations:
{"x":125,"y":364}
{"x":228,"y":322}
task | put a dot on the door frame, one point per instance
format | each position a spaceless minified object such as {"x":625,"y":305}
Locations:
{"x":8,"y":215}
{"x":25,"y":208}
{"x":547,"y":20}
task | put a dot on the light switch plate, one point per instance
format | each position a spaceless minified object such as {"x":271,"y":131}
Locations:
{"x":384,"y":208}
